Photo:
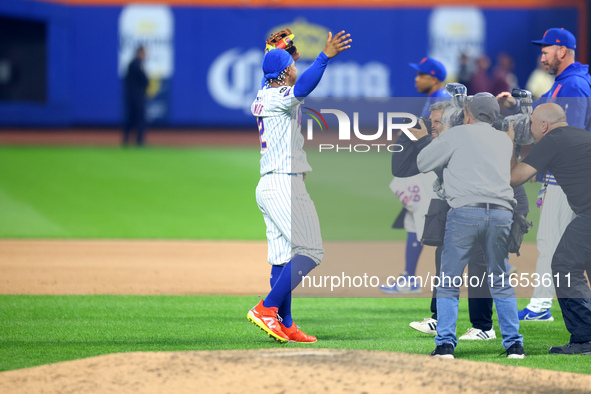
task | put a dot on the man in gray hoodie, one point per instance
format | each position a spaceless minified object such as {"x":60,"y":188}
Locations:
{"x":475,"y":159}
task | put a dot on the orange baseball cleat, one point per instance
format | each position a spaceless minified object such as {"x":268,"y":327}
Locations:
{"x":296,"y":335}
{"x":266,"y":320}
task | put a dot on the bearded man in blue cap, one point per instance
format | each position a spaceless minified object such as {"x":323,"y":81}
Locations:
{"x":293,"y":230}
{"x":572,"y":78}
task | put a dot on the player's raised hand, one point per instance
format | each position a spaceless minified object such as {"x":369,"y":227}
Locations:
{"x":337,"y":44}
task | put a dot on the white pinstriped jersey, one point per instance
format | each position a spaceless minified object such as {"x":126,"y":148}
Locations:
{"x":279,"y":120}
{"x":415,"y":193}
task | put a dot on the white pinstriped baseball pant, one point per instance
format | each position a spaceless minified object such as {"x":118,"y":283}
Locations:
{"x":556,"y":214}
{"x":291,"y":219}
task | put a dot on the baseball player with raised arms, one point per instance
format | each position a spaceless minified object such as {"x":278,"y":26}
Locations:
{"x":293,"y":230}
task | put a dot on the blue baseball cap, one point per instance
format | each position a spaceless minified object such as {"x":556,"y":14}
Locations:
{"x":430,"y":66}
{"x":275,"y":61}
{"x":560,"y":37}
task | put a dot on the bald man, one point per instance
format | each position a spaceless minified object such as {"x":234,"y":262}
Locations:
{"x":566,"y":152}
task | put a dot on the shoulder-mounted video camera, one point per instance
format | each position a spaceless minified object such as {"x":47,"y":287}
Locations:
{"x":524,"y":100}
{"x":426,"y":121}
{"x":458,"y":93}
{"x":521,"y":126}
{"x":454,"y":115}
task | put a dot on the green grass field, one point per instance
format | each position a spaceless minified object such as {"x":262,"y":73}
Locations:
{"x":45,"y":329}
{"x":161,"y":193}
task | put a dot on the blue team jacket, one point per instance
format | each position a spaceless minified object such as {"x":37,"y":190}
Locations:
{"x":432,"y":99}
{"x":574,"y":81}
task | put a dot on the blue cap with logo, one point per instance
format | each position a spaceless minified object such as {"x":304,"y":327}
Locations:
{"x":432,"y":67}
{"x":275,"y":61}
{"x":560,"y":37}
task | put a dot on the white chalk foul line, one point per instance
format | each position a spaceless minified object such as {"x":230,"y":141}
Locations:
{"x":295,"y":354}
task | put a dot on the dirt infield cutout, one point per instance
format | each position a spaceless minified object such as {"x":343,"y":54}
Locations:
{"x":70,"y":267}
{"x":284,"y":371}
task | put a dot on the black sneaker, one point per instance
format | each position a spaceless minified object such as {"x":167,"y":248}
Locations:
{"x":572,"y":348}
{"x":444,"y":351}
{"x":515,"y":351}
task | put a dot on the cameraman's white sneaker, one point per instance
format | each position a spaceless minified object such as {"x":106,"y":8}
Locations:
{"x":427,"y":326}
{"x":474,"y":334}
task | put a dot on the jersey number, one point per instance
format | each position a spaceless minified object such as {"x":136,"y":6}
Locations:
{"x":261,"y":132}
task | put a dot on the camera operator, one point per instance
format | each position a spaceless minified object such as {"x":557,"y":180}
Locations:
{"x":473,"y":158}
{"x":566,"y":151}
{"x":415,"y":193}
{"x":445,"y":115}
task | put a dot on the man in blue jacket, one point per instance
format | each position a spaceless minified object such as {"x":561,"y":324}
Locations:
{"x":572,"y":78}
{"x":429,"y":80}
{"x":572,"y":91}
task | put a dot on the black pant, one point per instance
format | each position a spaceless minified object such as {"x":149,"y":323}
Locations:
{"x":479,"y":300}
{"x":571,"y":259}
{"x":135,"y":118}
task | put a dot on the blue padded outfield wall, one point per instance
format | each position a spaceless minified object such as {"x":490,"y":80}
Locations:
{"x":204,"y":63}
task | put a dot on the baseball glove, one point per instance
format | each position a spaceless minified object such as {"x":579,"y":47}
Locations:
{"x":519,"y":228}
{"x":283,"y":40}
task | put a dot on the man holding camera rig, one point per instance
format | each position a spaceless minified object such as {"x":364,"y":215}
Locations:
{"x":475,"y":161}
{"x":414,"y":192}
{"x":566,"y":151}
{"x":404,"y":165}
{"x":571,"y":90}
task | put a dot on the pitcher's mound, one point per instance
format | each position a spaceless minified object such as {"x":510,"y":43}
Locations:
{"x":283,"y":371}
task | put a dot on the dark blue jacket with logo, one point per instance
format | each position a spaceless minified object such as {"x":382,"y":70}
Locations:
{"x":572,"y":91}
{"x":438,"y":95}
